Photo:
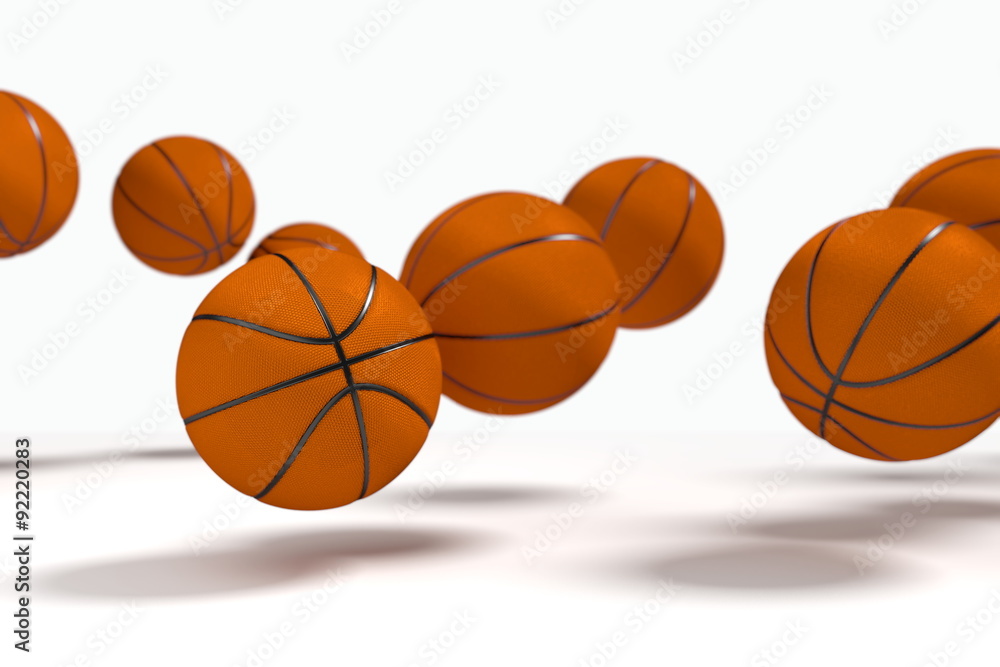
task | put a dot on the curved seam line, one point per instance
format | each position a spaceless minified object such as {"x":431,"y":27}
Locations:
{"x":194,"y":198}
{"x":381,"y":389}
{"x":692,"y":195}
{"x":454,"y":214}
{"x":155,"y":221}
{"x":613,"y":213}
{"x":941,"y":173}
{"x":838,"y":424}
{"x":37,"y":131}
{"x":511,"y":400}
{"x":531,"y":334}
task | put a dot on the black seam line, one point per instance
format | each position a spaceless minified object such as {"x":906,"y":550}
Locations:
{"x":194,"y":198}
{"x":300,"y":445}
{"x":941,"y":173}
{"x":264,"y":330}
{"x":809,"y":290}
{"x":881,"y":420}
{"x":232,"y":194}
{"x":7,"y":234}
{"x":531,"y":334}
{"x":692,"y":195}
{"x":313,"y":295}
{"x":981,"y":225}
{"x":319,"y":372}
{"x":839,"y":425}
{"x":849,"y":354}
{"x":155,"y":221}
{"x":621,"y":198}
{"x":511,"y":401}
{"x":927,"y":364}
{"x":364,"y":309}
{"x":687,"y":306}
{"x":381,"y":389}
{"x":37,"y":131}
{"x":485,"y":258}
{"x":441,"y":225}
{"x":348,"y":376}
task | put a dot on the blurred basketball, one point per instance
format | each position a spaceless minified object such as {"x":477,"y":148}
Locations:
{"x":521,"y":295}
{"x":183,"y":205}
{"x":308,"y":235}
{"x":883,"y":335}
{"x":308,"y":379}
{"x":39,"y":175}
{"x":964,"y":187}
{"x":663,"y":232}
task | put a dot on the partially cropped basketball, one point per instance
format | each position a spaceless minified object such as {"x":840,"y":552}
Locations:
{"x":308,"y":379}
{"x":521,"y":295}
{"x":183,"y":205}
{"x":39,"y":175}
{"x":883,"y":335}
{"x":306,"y":235}
{"x":964,"y":187}
{"x":663,"y":231}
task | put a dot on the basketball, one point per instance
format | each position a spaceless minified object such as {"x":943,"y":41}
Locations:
{"x":521,"y":295}
{"x":39,"y":175}
{"x":306,"y":234}
{"x":883,"y":335}
{"x":183,"y":205}
{"x":964,"y":187}
{"x":308,"y":379}
{"x":663,"y":232}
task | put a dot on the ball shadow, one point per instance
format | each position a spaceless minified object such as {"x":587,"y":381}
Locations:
{"x":257,"y":564}
{"x":47,"y":463}
{"x":486,"y":495}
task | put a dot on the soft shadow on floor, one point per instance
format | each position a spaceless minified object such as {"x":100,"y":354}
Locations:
{"x":261,"y":563}
{"x":69,"y":461}
{"x":483,"y":495}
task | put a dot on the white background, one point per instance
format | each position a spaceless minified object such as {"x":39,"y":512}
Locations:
{"x":894,"y":99}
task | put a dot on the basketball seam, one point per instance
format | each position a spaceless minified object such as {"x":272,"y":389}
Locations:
{"x":906,"y":200}
{"x":532,"y":334}
{"x":37,"y":132}
{"x":866,"y":415}
{"x":693,"y":193}
{"x":849,"y":354}
{"x":232,"y":194}
{"x":687,"y":306}
{"x":190,"y":190}
{"x":981,"y":225}
{"x":156,"y":221}
{"x":552,"y":238}
{"x":454,"y":214}
{"x":846,"y":430}
{"x":512,"y":401}
{"x":616,"y":206}
{"x":305,"y":377}
{"x":7,"y":234}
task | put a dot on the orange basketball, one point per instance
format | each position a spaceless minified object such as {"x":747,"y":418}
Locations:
{"x":306,"y":234}
{"x":39,"y":175}
{"x":308,"y":379}
{"x":663,"y":232}
{"x":521,"y":295}
{"x":883,"y":335}
{"x":183,"y":205}
{"x":964,"y":187}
